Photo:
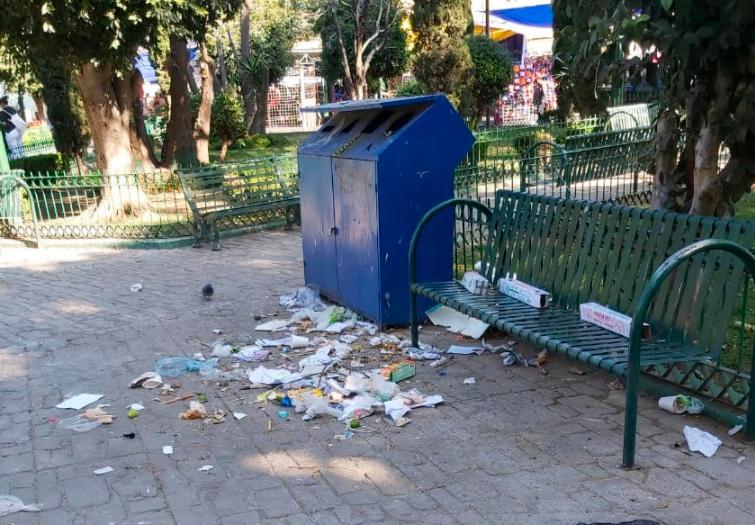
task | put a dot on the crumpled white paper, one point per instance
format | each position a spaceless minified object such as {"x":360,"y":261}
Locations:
{"x":700,"y":441}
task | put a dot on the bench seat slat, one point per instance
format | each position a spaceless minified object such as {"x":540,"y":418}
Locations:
{"x":554,"y":328}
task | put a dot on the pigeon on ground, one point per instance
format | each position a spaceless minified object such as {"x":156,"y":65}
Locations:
{"x":207,"y":291}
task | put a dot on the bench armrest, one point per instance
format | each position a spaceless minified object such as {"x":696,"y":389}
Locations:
{"x":428,"y":217}
{"x":640,"y":313}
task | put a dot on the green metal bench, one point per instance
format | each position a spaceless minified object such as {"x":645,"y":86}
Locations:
{"x":653,"y":264}
{"x":585,"y":158}
{"x":221,"y":192}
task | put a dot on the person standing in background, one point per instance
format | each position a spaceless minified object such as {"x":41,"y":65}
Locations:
{"x":13,"y":126}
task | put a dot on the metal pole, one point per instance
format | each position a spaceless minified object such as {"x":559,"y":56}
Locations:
{"x":487,"y":18}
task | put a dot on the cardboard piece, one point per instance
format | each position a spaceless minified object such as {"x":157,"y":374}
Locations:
{"x":456,"y":322}
{"x":611,"y":320}
{"x":524,"y":292}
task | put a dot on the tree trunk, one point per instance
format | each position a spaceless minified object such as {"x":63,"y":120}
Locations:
{"x":666,"y":159}
{"x":202,"y":125}
{"x":707,"y":184}
{"x":247,"y":83}
{"x":110,"y":126}
{"x":179,"y":143}
{"x":224,"y":150}
{"x":696,"y":102}
{"x":111,"y":137}
{"x":142,"y":149}
{"x":39,"y":101}
{"x":736,"y":178}
{"x":259,"y":123}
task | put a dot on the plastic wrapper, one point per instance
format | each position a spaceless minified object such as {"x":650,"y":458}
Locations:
{"x":304,"y":297}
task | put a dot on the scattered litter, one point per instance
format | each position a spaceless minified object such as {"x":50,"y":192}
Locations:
{"x":132,"y":413}
{"x":421,"y":355}
{"x":146,"y":380}
{"x":741,"y":459}
{"x":510,"y":358}
{"x":456,"y":322}
{"x":202,"y":397}
{"x":348,"y":339}
{"x":205,"y":468}
{"x":207,"y":291}
{"x":217,"y":331}
{"x":616,"y":384}
{"x":283,"y":414}
{"x":196,"y":411}
{"x":464,"y":350}
{"x":396,"y":409}
{"x":85,"y":422}
{"x":221,"y":350}
{"x":275,"y":325}
{"x":136,"y":287}
{"x":355,"y":423}
{"x":239,"y":415}
{"x":576,"y":371}
{"x":304,"y":297}
{"x":79,"y":401}
{"x":103,"y":470}
{"x":298,"y":341}
{"x":136,"y":406}
{"x":399,"y":371}
{"x":439,"y":362}
{"x":470,"y":381}
{"x":168,"y":450}
{"x":11,"y":504}
{"x":199,"y":356}
{"x":177,"y":399}
{"x":736,"y":428}
{"x":442,"y":372}
{"x":680,"y":404}
{"x":130,"y":435}
{"x":252,"y":353}
{"x":266,"y":376}
{"x":700,"y":441}
{"x":218,"y":415}
{"x":177,"y":366}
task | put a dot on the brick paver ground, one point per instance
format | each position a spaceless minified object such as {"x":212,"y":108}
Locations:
{"x":516,"y":447}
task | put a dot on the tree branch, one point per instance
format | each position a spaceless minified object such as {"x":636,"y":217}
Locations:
{"x":342,"y":47}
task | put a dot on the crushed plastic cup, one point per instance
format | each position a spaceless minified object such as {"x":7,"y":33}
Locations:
{"x":679,"y":404}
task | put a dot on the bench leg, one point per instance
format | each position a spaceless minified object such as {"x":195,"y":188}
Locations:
{"x":289,"y":218}
{"x":630,"y":416}
{"x":413,"y":319}
{"x":215,"y":237}
{"x":197,"y":227}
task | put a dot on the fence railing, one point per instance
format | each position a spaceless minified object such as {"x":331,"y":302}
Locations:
{"x":125,"y":206}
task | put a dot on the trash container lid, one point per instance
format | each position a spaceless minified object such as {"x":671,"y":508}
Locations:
{"x":373,"y":103}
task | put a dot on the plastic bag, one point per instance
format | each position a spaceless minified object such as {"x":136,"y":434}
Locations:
{"x":358,"y":407}
{"x":305,"y":297}
{"x":313,"y":406}
{"x":381,"y":388}
{"x":79,"y":423}
{"x":11,"y":505}
{"x":177,"y":366}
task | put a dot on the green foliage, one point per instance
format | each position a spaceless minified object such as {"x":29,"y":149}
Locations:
{"x":228,"y":117}
{"x":444,"y":63}
{"x":493,"y":70}
{"x":580,"y":29}
{"x":390,"y":61}
{"x":411,"y":89}
{"x":273,"y":34}
{"x":41,"y":163}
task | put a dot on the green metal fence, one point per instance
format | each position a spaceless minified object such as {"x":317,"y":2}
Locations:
{"x":128,"y":206}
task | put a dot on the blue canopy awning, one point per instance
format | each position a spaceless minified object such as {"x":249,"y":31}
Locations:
{"x":536,"y":15}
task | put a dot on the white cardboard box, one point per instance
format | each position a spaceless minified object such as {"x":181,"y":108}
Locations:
{"x":475,"y":283}
{"x":611,"y":320}
{"x":524,"y":292}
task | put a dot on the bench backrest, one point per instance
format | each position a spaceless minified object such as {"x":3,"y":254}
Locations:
{"x":582,"y":251}
{"x":239,"y":185}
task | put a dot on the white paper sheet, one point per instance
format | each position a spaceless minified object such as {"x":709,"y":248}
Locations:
{"x":701,"y":441}
{"x":79,"y":401}
{"x":456,"y":322}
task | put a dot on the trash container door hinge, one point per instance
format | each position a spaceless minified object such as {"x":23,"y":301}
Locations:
{"x":334,"y":230}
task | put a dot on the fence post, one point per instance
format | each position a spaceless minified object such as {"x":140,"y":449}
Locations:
{"x":4,"y":164}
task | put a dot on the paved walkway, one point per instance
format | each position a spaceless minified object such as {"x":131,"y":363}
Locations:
{"x":517,"y":447}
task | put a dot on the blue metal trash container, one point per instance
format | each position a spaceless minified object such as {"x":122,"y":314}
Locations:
{"x":367,"y":177}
